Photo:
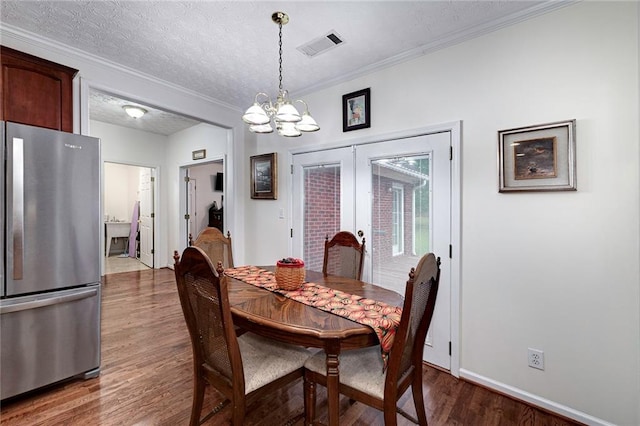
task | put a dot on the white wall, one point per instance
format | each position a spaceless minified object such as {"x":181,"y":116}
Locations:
{"x":206,"y":195}
{"x":104,"y":75}
{"x":179,"y":155}
{"x":167,"y":154}
{"x":120,"y":191}
{"x":553,"y":271}
{"x":135,"y":147}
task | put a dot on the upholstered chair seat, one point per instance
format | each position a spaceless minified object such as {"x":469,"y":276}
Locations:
{"x":360,"y":369}
{"x":265,"y":360}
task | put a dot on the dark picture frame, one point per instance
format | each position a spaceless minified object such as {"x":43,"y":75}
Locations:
{"x":356,"y":110}
{"x":264,"y":176}
{"x":538,"y":158}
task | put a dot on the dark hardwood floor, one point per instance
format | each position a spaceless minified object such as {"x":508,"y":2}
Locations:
{"x":146,"y":377}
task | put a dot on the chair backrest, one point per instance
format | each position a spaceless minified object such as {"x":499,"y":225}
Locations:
{"x":205,"y":305}
{"x":216,"y":245}
{"x":417,"y":311}
{"x":343,"y":255}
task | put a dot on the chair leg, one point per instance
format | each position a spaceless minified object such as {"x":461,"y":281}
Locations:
{"x":418,"y":399}
{"x":198,"y":398}
{"x":238,"y":415}
{"x":390,"y":417}
{"x":309,"y":401}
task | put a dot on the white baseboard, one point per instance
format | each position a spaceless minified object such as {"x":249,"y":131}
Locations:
{"x":532,"y":399}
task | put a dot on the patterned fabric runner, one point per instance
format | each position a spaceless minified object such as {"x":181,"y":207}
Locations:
{"x":381,"y":317}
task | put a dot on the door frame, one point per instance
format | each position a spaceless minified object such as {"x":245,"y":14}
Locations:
{"x":156,"y":211}
{"x":395,"y":189}
{"x":455,"y":128}
{"x":183,"y":195}
{"x":154,"y":195}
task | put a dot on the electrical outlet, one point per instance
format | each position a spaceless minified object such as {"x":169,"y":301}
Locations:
{"x":536,"y":358}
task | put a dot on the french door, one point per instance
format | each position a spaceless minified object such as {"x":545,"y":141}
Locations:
{"x":398,"y":193}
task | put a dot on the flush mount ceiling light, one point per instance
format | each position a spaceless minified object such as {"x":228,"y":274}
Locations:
{"x":286,"y":118}
{"x":134,"y":111}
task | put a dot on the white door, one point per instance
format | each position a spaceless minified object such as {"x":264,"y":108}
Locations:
{"x":190,"y":214}
{"x":403,"y":194}
{"x":146,"y":216}
{"x":398,"y":193}
{"x":323,"y":205}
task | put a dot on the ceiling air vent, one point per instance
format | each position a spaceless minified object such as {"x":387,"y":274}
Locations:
{"x":321,"y":44}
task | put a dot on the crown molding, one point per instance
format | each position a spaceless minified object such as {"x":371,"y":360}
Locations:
{"x":444,"y":42}
{"x":22,"y":37}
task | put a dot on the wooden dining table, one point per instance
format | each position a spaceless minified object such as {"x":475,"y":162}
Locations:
{"x":277,"y":317}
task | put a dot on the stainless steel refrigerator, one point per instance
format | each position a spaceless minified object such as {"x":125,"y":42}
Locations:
{"x":50,"y":294}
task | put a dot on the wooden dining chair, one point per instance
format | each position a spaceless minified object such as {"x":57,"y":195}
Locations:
{"x":343,"y":256}
{"x":216,"y":245}
{"x":362,"y":375}
{"x":242,"y":368}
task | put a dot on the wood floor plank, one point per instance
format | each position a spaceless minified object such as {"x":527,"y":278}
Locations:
{"x":146,"y":379}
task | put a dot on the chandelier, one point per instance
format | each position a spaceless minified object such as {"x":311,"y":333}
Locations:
{"x":286,"y":118}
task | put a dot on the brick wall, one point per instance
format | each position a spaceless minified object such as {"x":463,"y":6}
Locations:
{"x":322,"y":212}
{"x":382,"y":233}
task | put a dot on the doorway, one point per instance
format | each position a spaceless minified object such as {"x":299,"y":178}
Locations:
{"x":203,"y":194}
{"x":129,"y":218}
{"x":399,"y":193}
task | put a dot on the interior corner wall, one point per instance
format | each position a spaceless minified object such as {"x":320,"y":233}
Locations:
{"x":121,"y":190}
{"x":206,"y":195}
{"x":130,"y":146}
{"x":111,"y":77}
{"x":179,"y":154}
{"x":555,"y":271}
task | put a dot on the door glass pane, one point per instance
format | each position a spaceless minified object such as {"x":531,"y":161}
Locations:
{"x":321,"y":211}
{"x":400,"y":217}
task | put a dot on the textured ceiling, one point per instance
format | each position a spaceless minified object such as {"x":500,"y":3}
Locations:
{"x":228,"y":50}
{"x":108,"y":109}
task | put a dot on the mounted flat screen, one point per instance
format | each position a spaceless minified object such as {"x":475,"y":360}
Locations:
{"x":219,"y":182}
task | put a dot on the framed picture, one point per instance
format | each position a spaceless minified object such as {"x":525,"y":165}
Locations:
{"x":199,"y":154}
{"x":538,"y":158}
{"x":356,"y":110}
{"x":264,"y":177}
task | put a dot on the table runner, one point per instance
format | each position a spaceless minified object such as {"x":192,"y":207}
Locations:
{"x":381,"y":317}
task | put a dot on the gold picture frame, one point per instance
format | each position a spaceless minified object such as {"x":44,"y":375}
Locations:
{"x":264,"y":177}
{"x":200,"y":154}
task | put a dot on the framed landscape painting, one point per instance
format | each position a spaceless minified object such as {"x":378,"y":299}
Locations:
{"x":264,"y":176}
{"x":538,"y":158}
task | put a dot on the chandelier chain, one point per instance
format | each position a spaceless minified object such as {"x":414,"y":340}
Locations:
{"x":262,"y":116}
{"x":280,"y":53}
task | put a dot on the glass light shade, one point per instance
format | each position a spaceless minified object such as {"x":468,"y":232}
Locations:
{"x":134,"y":111}
{"x":288,"y":129}
{"x":255,"y":115}
{"x":307,"y":124}
{"x":287,"y":113}
{"x":261,"y":128}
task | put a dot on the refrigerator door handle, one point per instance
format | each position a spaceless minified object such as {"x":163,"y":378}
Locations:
{"x":17,"y":234}
{"x":40,"y":303}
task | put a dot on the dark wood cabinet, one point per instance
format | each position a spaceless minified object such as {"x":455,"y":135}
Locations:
{"x":216,"y":219}
{"x":35,"y":91}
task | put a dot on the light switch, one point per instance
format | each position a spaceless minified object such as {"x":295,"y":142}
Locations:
{"x":281,"y":214}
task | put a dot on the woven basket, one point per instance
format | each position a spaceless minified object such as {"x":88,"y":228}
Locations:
{"x":289,"y":276}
